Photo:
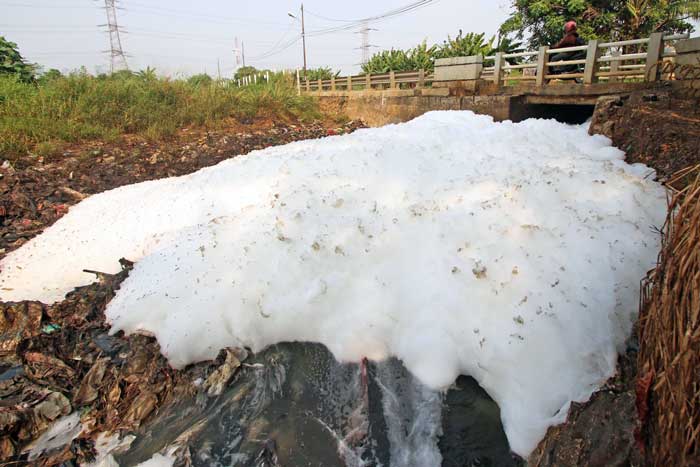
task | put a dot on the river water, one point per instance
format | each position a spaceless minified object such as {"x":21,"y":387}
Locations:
{"x":295,"y":405}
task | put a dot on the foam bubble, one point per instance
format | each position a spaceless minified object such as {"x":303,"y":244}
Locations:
{"x":508,"y":252}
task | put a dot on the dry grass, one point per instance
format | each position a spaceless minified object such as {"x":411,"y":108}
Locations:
{"x":669,"y":334}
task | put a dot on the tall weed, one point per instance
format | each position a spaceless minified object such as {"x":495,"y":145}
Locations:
{"x":80,"y":106}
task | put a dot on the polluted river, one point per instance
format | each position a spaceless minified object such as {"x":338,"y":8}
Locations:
{"x":431,"y":293}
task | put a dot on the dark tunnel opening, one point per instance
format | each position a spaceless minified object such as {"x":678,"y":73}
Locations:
{"x":565,"y":113}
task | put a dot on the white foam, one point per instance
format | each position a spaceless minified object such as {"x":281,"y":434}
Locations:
{"x":508,"y":252}
{"x":158,"y":460}
{"x":59,"y":434}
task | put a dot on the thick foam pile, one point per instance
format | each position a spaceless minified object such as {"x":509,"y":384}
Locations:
{"x":509,"y":252}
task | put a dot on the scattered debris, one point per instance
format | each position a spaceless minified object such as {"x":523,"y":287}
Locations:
{"x":222,"y":376}
{"x":34,"y":195}
{"x":479,"y":270}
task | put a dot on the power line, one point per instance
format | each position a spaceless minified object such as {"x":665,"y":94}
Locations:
{"x":29,"y":5}
{"x":279,"y":49}
{"x":276,"y":45}
{"x":371,"y":19}
{"x":133,"y":32}
{"x":350,"y":24}
{"x":190,"y":14}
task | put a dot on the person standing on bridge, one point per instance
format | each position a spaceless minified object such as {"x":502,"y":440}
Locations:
{"x":571,"y":39}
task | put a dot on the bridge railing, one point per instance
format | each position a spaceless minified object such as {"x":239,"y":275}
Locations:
{"x":602,"y":61}
{"x":391,"y":80}
{"x":635,"y":59}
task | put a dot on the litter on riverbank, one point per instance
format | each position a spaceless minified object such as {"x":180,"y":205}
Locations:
{"x":509,"y":252}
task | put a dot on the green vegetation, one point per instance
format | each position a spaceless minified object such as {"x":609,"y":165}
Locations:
{"x":245,"y":71}
{"x":12,"y":63}
{"x":423,"y":57}
{"x":314,"y":74}
{"x":40,"y":116}
{"x":542,"y":21}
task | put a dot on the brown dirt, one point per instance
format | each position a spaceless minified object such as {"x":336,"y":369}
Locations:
{"x":657,"y":128}
{"x":36,"y":191}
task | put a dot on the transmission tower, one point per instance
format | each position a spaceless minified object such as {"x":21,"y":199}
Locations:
{"x":116,"y":53}
{"x":239,"y":52}
{"x":364,"y":32}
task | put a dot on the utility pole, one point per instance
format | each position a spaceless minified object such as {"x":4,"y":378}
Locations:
{"x":117,"y":55}
{"x":303,"y":37}
{"x":303,"y":34}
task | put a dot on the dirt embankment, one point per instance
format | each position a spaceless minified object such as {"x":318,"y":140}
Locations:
{"x":661,"y":130}
{"x":657,"y":128}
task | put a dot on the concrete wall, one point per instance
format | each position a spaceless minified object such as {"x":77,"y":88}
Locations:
{"x":382,"y":107}
{"x":688,"y":52}
{"x":377,"y":108}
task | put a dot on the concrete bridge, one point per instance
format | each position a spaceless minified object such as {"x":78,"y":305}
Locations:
{"x":516,"y":86}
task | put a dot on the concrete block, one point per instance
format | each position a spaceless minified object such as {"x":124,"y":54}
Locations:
{"x":452,"y":61}
{"x":458,"y":72}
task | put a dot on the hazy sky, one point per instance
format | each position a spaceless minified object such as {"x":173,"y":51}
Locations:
{"x":186,"y":37}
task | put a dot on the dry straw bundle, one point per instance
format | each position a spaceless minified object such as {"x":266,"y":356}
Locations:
{"x":668,"y":390}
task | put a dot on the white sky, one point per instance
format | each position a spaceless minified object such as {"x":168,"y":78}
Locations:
{"x":180,"y":37}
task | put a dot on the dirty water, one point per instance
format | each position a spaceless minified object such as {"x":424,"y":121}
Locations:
{"x":295,"y":405}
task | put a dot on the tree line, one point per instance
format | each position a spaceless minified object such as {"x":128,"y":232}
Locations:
{"x":534,"y":23}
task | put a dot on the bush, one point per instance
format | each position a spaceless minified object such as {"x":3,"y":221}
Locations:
{"x":423,"y":57}
{"x":79,"y":106}
{"x":200,"y":80}
{"x":314,"y":74}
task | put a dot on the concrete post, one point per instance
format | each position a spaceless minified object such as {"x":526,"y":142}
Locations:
{"x":392,"y":79}
{"x":421,"y":79}
{"x":654,"y":52}
{"x":459,"y":68}
{"x":308,"y":85}
{"x":615,"y":67}
{"x":320,"y":85}
{"x":368,"y":81}
{"x":333,"y":83}
{"x":498,"y":69}
{"x":542,"y":70}
{"x":592,"y":56}
{"x":349,"y":83}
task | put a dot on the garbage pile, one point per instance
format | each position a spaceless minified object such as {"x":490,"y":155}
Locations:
{"x":59,"y":359}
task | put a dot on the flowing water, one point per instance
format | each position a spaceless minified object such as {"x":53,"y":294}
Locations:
{"x":295,"y":405}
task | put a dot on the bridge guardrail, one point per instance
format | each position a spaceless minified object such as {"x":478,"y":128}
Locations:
{"x":391,"y":80}
{"x":604,"y":61}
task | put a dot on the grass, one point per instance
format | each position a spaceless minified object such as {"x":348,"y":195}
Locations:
{"x":39,"y":117}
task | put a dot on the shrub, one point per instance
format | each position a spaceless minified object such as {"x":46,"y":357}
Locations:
{"x":79,"y":106}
